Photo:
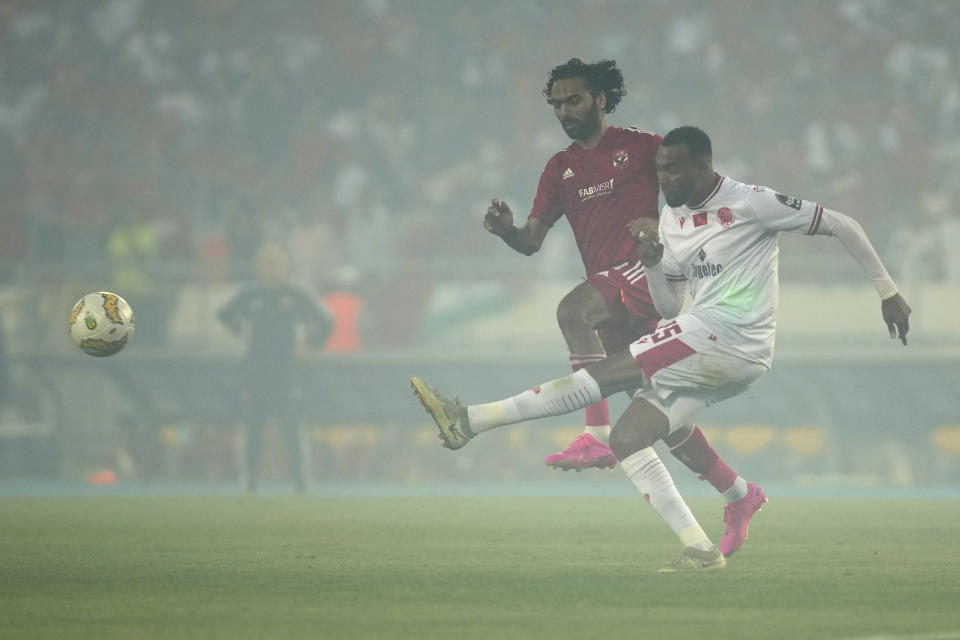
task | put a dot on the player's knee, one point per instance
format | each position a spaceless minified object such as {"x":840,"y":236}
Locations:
{"x":678,"y":435}
{"x":568,"y":315}
{"x":627,"y":439}
{"x":575,"y":312}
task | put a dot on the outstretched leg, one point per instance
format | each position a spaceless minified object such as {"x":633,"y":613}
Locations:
{"x":663,"y":354}
{"x":631,"y":438}
{"x":459,"y":423}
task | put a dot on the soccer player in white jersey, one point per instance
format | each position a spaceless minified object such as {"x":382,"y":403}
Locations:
{"x":718,"y":238}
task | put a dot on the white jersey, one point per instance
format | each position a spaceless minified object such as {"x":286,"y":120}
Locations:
{"x":726,"y":248}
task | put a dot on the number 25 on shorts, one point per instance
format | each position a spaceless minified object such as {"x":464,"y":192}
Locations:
{"x":666,"y":331}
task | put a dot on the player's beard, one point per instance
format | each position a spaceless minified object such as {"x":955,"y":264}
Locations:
{"x":674,"y":199}
{"x":583,"y":129}
{"x":679,"y":192}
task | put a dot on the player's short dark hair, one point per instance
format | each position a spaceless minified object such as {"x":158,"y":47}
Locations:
{"x":697,"y":141}
{"x":601,"y":77}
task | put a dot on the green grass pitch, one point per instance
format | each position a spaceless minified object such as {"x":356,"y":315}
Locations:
{"x":472,"y":567}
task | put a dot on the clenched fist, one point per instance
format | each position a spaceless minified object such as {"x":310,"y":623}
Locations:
{"x":644,"y":231}
{"x":499,"y":218}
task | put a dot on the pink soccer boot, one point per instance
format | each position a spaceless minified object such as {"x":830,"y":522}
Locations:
{"x":584,"y":452}
{"x":737,"y":516}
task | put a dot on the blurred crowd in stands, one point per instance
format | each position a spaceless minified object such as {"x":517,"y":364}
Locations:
{"x":170,"y":139}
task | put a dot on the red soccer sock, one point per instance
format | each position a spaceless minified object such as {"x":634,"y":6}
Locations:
{"x":700,"y":458}
{"x":597,"y":414}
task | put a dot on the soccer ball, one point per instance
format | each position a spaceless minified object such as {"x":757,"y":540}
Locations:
{"x":101,"y":323}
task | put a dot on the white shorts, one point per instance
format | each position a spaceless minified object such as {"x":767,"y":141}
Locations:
{"x":684,"y":370}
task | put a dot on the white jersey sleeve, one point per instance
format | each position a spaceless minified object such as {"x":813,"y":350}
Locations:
{"x":666,"y":280}
{"x":778,"y":212}
{"x":850,"y":234}
{"x":671,"y":266}
{"x":667,"y":295}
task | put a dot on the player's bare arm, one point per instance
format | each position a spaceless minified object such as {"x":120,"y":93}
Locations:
{"x":527,"y":239}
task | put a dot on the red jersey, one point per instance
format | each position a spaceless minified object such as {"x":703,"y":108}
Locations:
{"x":600,"y":190}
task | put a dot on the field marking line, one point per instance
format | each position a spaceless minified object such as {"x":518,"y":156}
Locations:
{"x":937,"y":635}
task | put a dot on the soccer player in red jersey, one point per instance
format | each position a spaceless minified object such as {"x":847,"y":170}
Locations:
{"x":601,"y":182}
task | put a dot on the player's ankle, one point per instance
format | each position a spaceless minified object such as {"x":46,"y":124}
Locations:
{"x":600,"y":433}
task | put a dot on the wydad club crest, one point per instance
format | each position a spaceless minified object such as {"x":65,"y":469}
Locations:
{"x":725,"y":217}
{"x":620,"y":157}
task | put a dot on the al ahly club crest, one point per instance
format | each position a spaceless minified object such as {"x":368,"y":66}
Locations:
{"x":620,"y":157}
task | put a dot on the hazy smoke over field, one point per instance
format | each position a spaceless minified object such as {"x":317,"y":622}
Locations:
{"x":154,"y":148}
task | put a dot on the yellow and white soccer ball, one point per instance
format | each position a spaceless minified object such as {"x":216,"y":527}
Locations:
{"x":101,"y":323}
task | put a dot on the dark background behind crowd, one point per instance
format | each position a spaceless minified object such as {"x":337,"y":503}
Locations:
{"x":366,"y":136}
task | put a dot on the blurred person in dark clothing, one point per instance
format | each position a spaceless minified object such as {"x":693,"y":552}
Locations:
{"x":6,"y":391}
{"x":270,"y":311}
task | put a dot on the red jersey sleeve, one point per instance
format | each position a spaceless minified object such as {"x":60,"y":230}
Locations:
{"x":548,"y":205}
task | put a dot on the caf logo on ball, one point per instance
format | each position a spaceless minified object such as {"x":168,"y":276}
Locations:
{"x":101,"y":323}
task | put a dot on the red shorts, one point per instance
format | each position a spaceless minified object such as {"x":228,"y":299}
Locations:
{"x":632,"y":314}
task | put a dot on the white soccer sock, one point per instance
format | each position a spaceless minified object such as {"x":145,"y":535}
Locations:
{"x":554,"y":398}
{"x":737,"y":491}
{"x":651,"y":478}
{"x":601,"y":433}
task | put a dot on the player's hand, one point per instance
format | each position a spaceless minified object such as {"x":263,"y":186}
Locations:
{"x":499,"y":218}
{"x":896,"y":313}
{"x":644,"y":231}
{"x":642,"y":226}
